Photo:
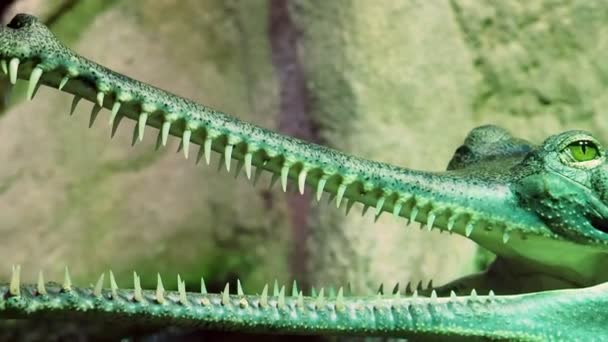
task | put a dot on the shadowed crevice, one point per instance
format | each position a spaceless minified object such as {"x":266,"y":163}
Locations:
{"x":294,"y":119}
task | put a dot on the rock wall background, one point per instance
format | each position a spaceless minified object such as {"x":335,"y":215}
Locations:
{"x":396,"y":81}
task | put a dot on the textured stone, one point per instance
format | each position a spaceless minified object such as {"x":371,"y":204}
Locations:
{"x":400,"y":82}
{"x":71,"y":196}
{"x":390,"y":81}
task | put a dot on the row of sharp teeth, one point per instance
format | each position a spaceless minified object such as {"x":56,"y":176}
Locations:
{"x":160,"y":295}
{"x":11,"y":68}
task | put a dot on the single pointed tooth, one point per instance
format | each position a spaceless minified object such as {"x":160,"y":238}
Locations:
{"x":34,"y":78}
{"x":415,"y":294}
{"x":40,"y":288}
{"x":186,"y":141}
{"x":451,"y":222}
{"x":113,"y":285}
{"x":63,"y":81}
{"x":228,"y":156}
{"x":4,"y":66}
{"x":452,"y":294}
{"x":74,"y":104}
{"x":94,"y":112}
{"x":15,"y":284}
{"x":67,"y":281}
{"x":349,"y":206}
{"x":247,"y":160}
{"x":321,"y":186}
{"x":13,"y":68}
{"x":141,"y":125}
{"x":320,"y":300}
{"x":284,"y":174}
{"x":239,"y":288}
{"x":340,"y":300}
{"x":433,"y":295}
{"x":430,"y":220}
{"x":99,"y":286}
{"x":491,"y":294}
{"x":226,"y":295}
{"x":468,"y":229}
{"x":340,"y":194}
{"x":419,"y":286}
{"x":165,"y":132}
{"x":160,"y":290}
{"x":302,"y":180}
{"x":380,"y":289}
{"x":473,"y":294}
{"x":275,"y":288}
{"x":380,"y":205}
{"x":281,"y":300}
{"x":115,"y":109}
{"x":294,"y":289}
{"x":264,"y":297}
{"x":300,"y":301}
{"x":137,"y":291}
{"x":203,"y":287}
{"x":181,"y":288}
{"x":505,"y":237}
{"x":430,"y":284}
{"x":365,"y":209}
{"x":207,"y":146}
{"x":397,"y":209}
{"x":413,"y":214}
{"x":100,"y":96}
{"x":313,"y":292}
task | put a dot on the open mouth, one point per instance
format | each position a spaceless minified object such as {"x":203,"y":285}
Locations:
{"x":597,"y":214}
{"x":599,"y":223}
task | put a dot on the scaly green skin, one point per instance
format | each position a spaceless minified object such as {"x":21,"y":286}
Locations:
{"x":537,"y":208}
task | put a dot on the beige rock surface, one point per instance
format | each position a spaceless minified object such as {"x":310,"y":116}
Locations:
{"x":396,"y":81}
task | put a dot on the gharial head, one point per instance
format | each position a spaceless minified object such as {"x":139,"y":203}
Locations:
{"x":565,"y":182}
{"x":561,"y":184}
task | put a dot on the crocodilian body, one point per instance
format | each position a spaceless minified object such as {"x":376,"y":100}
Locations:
{"x":541,"y":209}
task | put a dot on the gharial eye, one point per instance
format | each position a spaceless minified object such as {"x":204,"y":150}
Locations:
{"x":583,"y":150}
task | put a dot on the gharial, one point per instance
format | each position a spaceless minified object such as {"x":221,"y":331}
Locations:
{"x":541,"y":208}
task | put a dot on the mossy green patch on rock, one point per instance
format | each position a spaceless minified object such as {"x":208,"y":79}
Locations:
{"x":537,"y":58}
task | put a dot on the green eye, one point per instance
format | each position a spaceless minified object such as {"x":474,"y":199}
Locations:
{"x":583,"y":150}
